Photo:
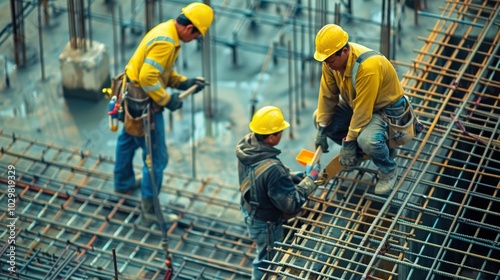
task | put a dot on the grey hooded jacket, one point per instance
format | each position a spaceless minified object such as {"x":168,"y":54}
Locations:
{"x":276,"y":192}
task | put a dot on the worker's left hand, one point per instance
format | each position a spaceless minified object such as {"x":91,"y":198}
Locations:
{"x":200,"y":82}
{"x":347,"y":156}
{"x":297,"y":176}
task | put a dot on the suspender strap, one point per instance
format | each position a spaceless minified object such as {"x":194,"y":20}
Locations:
{"x":248,"y":184}
{"x":255,"y":171}
{"x":362,"y":57}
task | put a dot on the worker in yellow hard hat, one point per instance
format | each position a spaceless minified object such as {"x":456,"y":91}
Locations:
{"x":268,"y":190}
{"x":359,"y":97}
{"x":149,"y":72}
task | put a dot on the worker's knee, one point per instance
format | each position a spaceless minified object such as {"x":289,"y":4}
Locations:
{"x":371,"y":142}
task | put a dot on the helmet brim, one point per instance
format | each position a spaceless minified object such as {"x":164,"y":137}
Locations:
{"x":320,"y":56}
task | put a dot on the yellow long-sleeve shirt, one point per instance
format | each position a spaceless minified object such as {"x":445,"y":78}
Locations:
{"x":151,"y":66}
{"x":377,"y":85}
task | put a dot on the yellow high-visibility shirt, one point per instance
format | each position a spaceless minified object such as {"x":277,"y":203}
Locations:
{"x":151,"y":66}
{"x":377,"y":85}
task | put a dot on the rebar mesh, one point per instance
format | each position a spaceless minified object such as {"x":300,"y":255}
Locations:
{"x":69,"y":220}
{"x":441,"y":221}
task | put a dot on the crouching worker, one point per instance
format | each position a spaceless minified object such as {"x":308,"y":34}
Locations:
{"x":267,"y":190}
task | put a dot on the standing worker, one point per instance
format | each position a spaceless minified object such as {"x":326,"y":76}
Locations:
{"x":148,"y":73}
{"x":359,"y":98}
{"x":268,"y":192}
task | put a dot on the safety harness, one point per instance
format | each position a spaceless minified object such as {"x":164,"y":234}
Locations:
{"x":249,"y":196}
{"x":398,"y":134}
{"x":362,"y":57}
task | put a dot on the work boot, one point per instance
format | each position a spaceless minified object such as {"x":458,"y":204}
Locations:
{"x":136,"y":186}
{"x":148,"y":216}
{"x":386,"y":182}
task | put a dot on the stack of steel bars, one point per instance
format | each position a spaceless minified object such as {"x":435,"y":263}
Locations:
{"x":442,"y":219}
{"x":68,"y":221}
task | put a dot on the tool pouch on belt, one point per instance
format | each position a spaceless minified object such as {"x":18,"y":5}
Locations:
{"x":136,"y":109}
{"x":401,"y":122}
{"x":134,"y":126}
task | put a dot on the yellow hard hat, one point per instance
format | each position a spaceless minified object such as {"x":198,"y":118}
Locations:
{"x":200,"y":15}
{"x":330,"y":39}
{"x":268,"y":120}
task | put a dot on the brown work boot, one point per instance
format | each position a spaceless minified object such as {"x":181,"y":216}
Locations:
{"x":386,"y":182}
{"x":148,"y":216}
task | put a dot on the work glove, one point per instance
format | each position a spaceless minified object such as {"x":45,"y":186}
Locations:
{"x":320,"y":139}
{"x":307,"y":185}
{"x":348,"y":153}
{"x":174,"y":103}
{"x":200,"y":82}
{"x":297,"y":176}
{"x":313,"y":171}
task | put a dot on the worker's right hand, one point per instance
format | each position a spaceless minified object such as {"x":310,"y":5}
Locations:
{"x":320,"y":139}
{"x":348,"y":156}
{"x":313,"y":171}
{"x":200,"y":82}
{"x":174,"y":103}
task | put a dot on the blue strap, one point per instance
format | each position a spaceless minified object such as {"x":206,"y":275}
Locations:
{"x":362,"y":57}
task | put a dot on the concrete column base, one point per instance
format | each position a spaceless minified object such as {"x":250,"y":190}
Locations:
{"x":84,"y":74}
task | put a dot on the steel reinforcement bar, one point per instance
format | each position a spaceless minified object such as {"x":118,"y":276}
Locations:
{"x":441,"y":220}
{"x":68,"y":220}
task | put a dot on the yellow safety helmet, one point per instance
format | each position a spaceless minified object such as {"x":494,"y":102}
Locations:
{"x":268,"y":120}
{"x":200,"y":15}
{"x":330,"y":39}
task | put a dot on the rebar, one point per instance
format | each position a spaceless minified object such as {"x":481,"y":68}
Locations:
{"x":440,"y":221}
{"x":66,"y":200}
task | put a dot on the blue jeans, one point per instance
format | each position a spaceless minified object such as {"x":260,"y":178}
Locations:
{"x":257,"y":229}
{"x":125,"y":151}
{"x":373,"y":139}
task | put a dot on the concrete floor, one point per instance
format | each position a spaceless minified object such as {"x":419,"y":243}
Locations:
{"x":36,"y":108}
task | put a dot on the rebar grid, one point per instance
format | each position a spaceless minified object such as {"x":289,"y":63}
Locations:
{"x":69,"y":220}
{"x":441,"y":221}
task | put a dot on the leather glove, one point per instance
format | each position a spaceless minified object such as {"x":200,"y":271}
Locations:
{"x":348,"y":153}
{"x":313,"y":171}
{"x":297,"y":176}
{"x":320,"y":139}
{"x":174,"y":103}
{"x":200,"y":82}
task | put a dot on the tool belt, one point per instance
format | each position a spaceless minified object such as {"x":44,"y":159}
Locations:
{"x":136,"y":105}
{"x":402,"y":127}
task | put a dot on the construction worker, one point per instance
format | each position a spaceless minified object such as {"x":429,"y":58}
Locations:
{"x":353,"y":112}
{"x":149,"y":72}
{"x":268,"y":193}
